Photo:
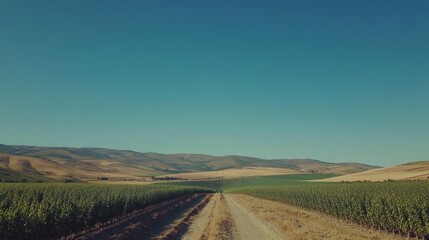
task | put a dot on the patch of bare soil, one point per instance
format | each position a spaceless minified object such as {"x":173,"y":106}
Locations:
{"x":151,"y":222}
{"x":249,"y":225}
{"x":181,"y":225}
{"x":285,"y":221}
{"x":214,"y":222}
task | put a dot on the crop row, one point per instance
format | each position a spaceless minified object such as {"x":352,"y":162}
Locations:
{"x":400,"y":207}
{"x":50,"y":211}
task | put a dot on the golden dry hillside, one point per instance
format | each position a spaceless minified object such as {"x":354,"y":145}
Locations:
{"x":409,"y":171}
{"x":233,"y":173}
{"x":94,"y":163}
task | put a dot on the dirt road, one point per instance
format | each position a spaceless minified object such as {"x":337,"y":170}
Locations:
{"x":214,"y":222}
{"x":231,"y":216}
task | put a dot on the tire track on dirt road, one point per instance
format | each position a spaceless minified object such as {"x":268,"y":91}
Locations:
{"x":224,"y":218}
{"x":214,"y":222}
{"x":166,"y":220}
{"x":249,"y":226}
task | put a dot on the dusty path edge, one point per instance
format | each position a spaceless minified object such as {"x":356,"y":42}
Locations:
{"x":180,"y":226}
{"x":114,"y":222}
{"x":295,"y":222}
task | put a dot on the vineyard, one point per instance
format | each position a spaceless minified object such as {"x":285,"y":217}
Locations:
{"x":58,"y":210}
{"x":51,"y":211}
{"x":400,"y":207}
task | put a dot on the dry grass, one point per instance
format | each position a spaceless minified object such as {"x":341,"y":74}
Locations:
{"x":234,"y":173}
{"x":85,"y":169}
{"x":214,"y":222}
{"x":418,"y":170}
{"x":296,"y":223}
{"x":91,"y":163}
{"x":117,"y":172}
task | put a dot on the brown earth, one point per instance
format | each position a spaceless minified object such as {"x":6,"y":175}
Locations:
{"x":253,"y":218}
{"x":214,"y":222}
{"x":166,"y":220}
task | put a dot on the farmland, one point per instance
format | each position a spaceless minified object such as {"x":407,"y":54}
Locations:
{"x":214,"y":120}
{"x":398,"y":207}
{"x":48,"y":211}
{"x":273,"y":206}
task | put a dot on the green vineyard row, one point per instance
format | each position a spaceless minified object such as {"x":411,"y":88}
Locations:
{"x":50,"y":211}
{"x":400,"y":207}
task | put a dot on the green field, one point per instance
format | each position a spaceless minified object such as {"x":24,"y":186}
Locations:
{"x":291,"y":179}
{"x":231,"y":184}
{"x":54,"y":210}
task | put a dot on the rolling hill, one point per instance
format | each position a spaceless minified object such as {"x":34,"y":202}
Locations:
{"x":409,"y":171}
{"x":92,"y":163}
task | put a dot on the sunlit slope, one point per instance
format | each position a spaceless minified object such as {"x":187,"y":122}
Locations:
{"x":234,"y":173}
{"x":300,"y":165}
{"x":413,"y":170}
{"x":92,"y":163}
{"x":84,"y":169}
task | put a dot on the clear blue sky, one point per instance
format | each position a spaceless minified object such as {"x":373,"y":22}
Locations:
{"x":331,"y":80}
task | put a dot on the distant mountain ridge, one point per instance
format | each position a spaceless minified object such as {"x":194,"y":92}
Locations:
{"x":91,"y":163}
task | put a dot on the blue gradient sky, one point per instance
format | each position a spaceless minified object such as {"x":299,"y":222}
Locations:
{"x":331,"y":80}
